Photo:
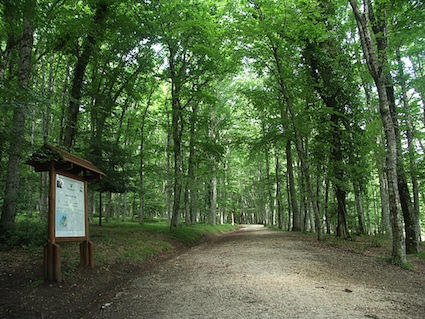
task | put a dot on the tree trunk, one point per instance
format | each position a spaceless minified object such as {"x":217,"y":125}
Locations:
{"x":270,"y":202}
{"x":213,"y":208}
{"x":16,"y":147}
{"x":326,"y":208}
{"x":298,"y":142}
{"x":109,"y":207}
{"x":142,"y":161}
{"x":83,"y":59}
{"x":405,"y":199}
{"x":278,"y":192}
{"x":385,"y":205}
{"x":361,"y":227}
{"x":190,"y":189}
{"x":412,"y":215}
{"x":376,"y":63}
{"x":177,"y":129}
{"x":296,"y":220}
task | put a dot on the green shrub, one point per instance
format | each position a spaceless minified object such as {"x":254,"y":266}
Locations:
{"x":27,"y":233}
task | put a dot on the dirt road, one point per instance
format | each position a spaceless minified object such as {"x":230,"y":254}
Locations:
{"x":259,"y":273}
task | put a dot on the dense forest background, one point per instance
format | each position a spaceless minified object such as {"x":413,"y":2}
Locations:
{"x":305,"y":115}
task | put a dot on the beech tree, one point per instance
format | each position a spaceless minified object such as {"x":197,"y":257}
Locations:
{"x":17,"y":58}
{"x":372,"y":29}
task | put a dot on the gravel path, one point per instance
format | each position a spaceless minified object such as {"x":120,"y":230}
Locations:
{"x":260,"y":273}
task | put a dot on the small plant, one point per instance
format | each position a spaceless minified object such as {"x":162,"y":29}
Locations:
{"x":399,"y":263}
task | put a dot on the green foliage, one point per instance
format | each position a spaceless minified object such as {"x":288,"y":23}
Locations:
{"x":190,"y":235}
{"x":135,"y":243}
{"x":28,"y":233}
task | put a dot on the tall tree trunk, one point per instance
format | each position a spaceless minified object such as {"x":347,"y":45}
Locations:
{"x":190,"y":189}
{"x":270,"y":203}
{"x":335,"y":97}
{"x":376,"y":62}
{"x":298,"y":142}
{"x":142,"y":161}
{"x":16,"y":147}
{"x":278,"y":191}
{"x":168,"y":181}
{"x":419,"y":73}
{"x":411,"y":214}
{"x":385,"y":205}
{"x":296,"y":220}
{"x":361,"y":227}
{"x":326,"y":207}
{"x":177,"y":130}
{"x":213,"y":207}
{"x":403,"y":188}
{"x":83,"y":59}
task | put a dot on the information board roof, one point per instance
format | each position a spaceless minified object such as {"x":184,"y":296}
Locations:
{"x":49,"y":155}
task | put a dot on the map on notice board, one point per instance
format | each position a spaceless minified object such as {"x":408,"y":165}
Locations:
{"x":70,"y":214}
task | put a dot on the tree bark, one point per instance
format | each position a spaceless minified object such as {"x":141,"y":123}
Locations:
{"x":278,"y":191}
{"x":296,"y":220}
{"x":177,"y":130}
{"x":213,"y":207}
{"x":16,"y":147}
{"x":298,"y":142}
{"x":83,"y":59}
{"x":190,"y":189}
{"x":411,"y":214}
{"x":361,"y":227}
{"x":376,"y":62}
{"x":142,"y":161}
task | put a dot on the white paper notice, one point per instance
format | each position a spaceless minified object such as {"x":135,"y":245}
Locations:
{"x":70,"y":216}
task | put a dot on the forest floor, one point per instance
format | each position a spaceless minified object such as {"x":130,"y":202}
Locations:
{"x":250,"y":273}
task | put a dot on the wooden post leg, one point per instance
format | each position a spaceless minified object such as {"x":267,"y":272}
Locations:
{"x":46,"y":264}
{"x":52,"y":263}
{"x":91,"y":254}
{"x":84,"y":257}
{"x":86,"y":254}
{"x":57,"y":274}
{"x":49,"y":262}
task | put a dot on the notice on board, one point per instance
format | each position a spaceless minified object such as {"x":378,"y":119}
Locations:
{"x":70,"y":214}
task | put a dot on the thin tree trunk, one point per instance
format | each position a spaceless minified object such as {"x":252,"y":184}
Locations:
{"x":213,"y":208}
{"x":190,"y":189}
{"x":326,"y":208}
{"x":269,"y":217}
{"x":168,"y":181}
{"x":142,"y":161}
{"x":100,"y":208}
{"x":296,"y":220}
{"x":361,"y":227}
{"x":109,"y":207}
{"x":278,"y":191}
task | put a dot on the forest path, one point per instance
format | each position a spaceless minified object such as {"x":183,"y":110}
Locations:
{"x":260,"y":273}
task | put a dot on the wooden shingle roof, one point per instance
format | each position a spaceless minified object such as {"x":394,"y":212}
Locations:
{"x":49,"y":155}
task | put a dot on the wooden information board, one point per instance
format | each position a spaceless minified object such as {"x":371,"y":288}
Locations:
{"x":68,"y":217}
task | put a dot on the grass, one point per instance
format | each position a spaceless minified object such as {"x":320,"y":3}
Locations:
{"x":114,"y":243}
